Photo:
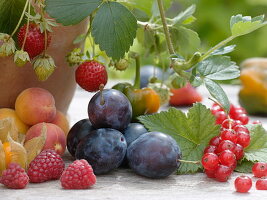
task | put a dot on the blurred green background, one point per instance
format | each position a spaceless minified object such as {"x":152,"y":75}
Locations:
{"x":212,"y":25}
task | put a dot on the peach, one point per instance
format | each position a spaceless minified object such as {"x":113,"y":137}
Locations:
{"x":35,"y":105}
{"x":6,"y":112}
{"x":61,"y":121}
{"x":55,"y":137}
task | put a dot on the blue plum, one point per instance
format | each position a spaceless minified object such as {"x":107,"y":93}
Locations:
{"x":147,"y":72}
{"x":133,"y":131}
{"x":104,"y":149}
{"x":78,"y":131}
{"x":110,"y":109}
{"x":154,"y":155}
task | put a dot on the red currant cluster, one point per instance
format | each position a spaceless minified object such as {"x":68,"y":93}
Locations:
{"x":220,"y":157}
{"x":244,"y":183}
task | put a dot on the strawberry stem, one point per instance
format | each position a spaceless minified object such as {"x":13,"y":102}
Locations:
{"x":137,"y":69}
{"x":21,"y":18}
{"x":27,"y":28}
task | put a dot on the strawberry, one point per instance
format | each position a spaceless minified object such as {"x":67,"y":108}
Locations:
{"x":44,"y":66}
{"x":90,"y":75}
{"x":184,"y":96}
{"x":35,"y":40}
{"x":7,"y":45}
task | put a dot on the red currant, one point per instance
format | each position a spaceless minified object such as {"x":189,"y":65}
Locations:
{"x":261,"y":184}
{"x":210,"y":173}
{"x":240,"y":128}
{"x":216,"y":108}
{"x":243,"y":118}
{"x":259,"y":169}
{"x":256,"y":122}
{"x":222,"y":173}
{"x":243,"y":184}
{"x":239,"y":151}
{"x":210,"y":161}
{"x":225,"y":145}
{"x":229,"y":134}
{"x":227,"y":158}
{"x":243,"y":139}
{"x":215,"y":141}
{"x":220,"y":117}
{"x":210,"y":149}
{"x":228,"y":123}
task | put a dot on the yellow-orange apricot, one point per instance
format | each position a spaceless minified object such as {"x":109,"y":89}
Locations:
{"x":61,"y":121}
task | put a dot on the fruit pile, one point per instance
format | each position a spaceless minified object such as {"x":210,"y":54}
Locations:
{"x":107,"y":135}
{"x":221,"y":156}
{"x":33,"y":126}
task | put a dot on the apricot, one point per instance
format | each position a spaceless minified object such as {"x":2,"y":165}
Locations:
{"x":61,"y":121}
{"x":35,"y":105}
{"x":10,"y":113}
{"x":55,"y":137}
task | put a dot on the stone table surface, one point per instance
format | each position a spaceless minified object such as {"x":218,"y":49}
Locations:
{"x":123,"y":184}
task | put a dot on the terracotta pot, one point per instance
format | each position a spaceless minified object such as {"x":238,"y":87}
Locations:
{"x":61,"y":83}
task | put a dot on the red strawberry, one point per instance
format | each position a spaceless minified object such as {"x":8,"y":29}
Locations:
{"x":184,"y":96}
{"x":90,"y":75}
{"x":35,"y":40}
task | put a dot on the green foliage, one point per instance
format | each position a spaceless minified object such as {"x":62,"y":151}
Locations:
{"x":114,"y":29}
{"x":192,"y":131}
{"x":10,"y":11}
{"x":224,"y":50}
{"x":243,"y":25}
{"x":244,"y":167}
{"x":184,"y":17}
{"x":257,"y":150}
{"x":69,"y":12}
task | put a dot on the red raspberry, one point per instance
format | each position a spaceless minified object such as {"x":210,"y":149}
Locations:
{"x":35,"y":40}
{"x":90,"y":75}
{"x":48,"y":165}
{"x":14,"y":177}
{"x":79,"y":175}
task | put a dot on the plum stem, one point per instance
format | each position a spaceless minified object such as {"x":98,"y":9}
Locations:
{"x":101,"y":88}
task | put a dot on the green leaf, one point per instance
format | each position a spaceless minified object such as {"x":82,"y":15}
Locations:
{"x":217,"y":93}
{"x":114,"y":29}
{"x":218,"y":68}
{"x":10,"y":12}
{"x":145,"y":6}
{"x":155,"y":8}
{"x":224,"y":50}
{"x":79,"y":39}
{"x":69,"y":12}
{"x":185,"y":41}
{"x":184,"y":16}
{"x":241,"y":25}
{"x":244,"y":167}
{"x":192,"y":131}
{"x":257,"y":150}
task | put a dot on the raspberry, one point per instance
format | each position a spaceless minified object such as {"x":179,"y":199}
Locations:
{"x":48,"y":165}
{"x":243,"y":184}
{"x":79,"y":175}
{"x":261,"y":184}
{"x":259,"y":169}
{"x":14,"y":177}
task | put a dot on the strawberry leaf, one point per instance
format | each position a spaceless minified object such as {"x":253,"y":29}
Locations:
{"x":69,"y":12}
{"x":257,"y":150}
{"x":10,"y":12}
{"x":184,"y":16}
{"x":114,"y":29}
{"x":192,"y":131}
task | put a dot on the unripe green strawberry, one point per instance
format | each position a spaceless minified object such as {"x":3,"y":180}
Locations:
{"x":121,"y":65}
{"x":21,"y":58}
{"x":75,"y":57}
{"x":44,"y":66}
{"x":7,"y":45}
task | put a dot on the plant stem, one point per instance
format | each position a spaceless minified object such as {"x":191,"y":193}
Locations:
{"x":21,"y":18}
{"x":27,"y":29}
{"x":221,"y":44}
{"x":45,"y":31}
{"x":189,"y":161}
{"x":137,"y":71}
{"x":165,"y":27}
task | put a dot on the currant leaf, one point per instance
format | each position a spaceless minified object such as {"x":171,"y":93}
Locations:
{"x":69,"y":12}
{"x":244,"y":167}
{"x":192,"y":131}
{"x":241,"y":25}
{"x":114,"y":29}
